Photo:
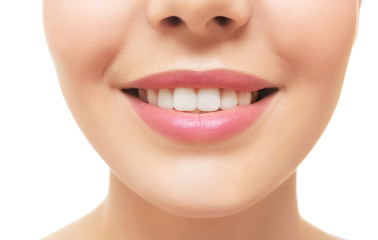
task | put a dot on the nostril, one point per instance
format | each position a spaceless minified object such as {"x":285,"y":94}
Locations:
{"x":172,"y":21}
{"x":222,"y":21}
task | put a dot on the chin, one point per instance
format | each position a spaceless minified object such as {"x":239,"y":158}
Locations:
{"x":190,"y":199}
{"x":200,"y":207}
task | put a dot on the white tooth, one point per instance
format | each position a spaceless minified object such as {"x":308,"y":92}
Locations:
{"x":229,"y":99}
{"x":184,"y":99}
{"x":254,"y":97}
{"x":152,"y":97}
{"x":245,"y":98}
{"x":208,"y":99}
{"x":165,"y":99}
{"x":142,"y":94}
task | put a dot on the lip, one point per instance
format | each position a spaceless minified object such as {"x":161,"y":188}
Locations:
{"x":201,"y":79}
{"x":204,"y":127}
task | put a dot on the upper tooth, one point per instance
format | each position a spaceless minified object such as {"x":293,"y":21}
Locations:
{"x":152,"y":97}
{"x":229,"y":99}
{"x":165,"y":99}
{"x":244,"y":98}
{"x":184,"y":99}
{"x":254,"y":97}
{"x":142,"y":93}
{"x":208,"y":99}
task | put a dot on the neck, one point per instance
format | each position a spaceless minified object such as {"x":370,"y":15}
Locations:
{"x":128,"y":216}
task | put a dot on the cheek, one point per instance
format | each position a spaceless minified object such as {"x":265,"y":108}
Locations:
{"x":314,"y":36}
{"x":84,"y":36}
{"x":314,"y":39}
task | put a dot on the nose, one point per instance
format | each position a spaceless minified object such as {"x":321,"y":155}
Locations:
{"x":199,"y":16}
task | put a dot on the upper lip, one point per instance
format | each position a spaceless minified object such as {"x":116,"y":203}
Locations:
{"x":219,"y":78}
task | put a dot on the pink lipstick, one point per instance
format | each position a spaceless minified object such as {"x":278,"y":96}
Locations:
{"x":207,"y":126}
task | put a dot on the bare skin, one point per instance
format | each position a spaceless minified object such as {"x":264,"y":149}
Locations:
{"x":124,"y":215}
{"x":239,"y":188}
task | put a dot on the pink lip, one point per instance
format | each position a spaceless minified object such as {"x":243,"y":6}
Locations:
{"x":205,"y":127}
{"x":201,"y":79}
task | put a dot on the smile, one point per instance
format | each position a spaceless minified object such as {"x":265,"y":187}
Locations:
{"x":199,"y":106}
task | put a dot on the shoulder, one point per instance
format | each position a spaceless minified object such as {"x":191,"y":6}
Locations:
{"x":84,"y":228}
{"x":311,"y":232}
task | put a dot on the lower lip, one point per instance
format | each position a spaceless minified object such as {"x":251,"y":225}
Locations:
{"x":205,"y":127}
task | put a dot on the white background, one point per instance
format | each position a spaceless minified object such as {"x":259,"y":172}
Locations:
{"x":43,"y":154}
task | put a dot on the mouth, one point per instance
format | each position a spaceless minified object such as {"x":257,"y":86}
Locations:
{"x":199,"y":106}
{"x":198,"y":101}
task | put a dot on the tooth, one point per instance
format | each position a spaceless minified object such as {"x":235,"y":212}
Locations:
{"x":229,"y":99}
{"x":142,"y":94}
{"x":184,"y":99}
{"x":165,"y":99}
{"x":245,"y":98}
{"x":208,"y":99}
{"x":152,"y":97}
{"x":254,"y":97}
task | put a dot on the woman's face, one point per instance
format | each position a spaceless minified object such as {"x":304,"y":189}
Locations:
{"x":201,"y":163}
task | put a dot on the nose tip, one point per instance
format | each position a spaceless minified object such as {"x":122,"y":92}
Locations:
{"x":199,"y":16}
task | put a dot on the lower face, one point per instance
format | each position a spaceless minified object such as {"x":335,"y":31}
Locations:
{"x":293,"y":54}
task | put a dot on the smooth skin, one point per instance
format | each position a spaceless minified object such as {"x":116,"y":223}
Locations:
{"x":242,"y":188}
